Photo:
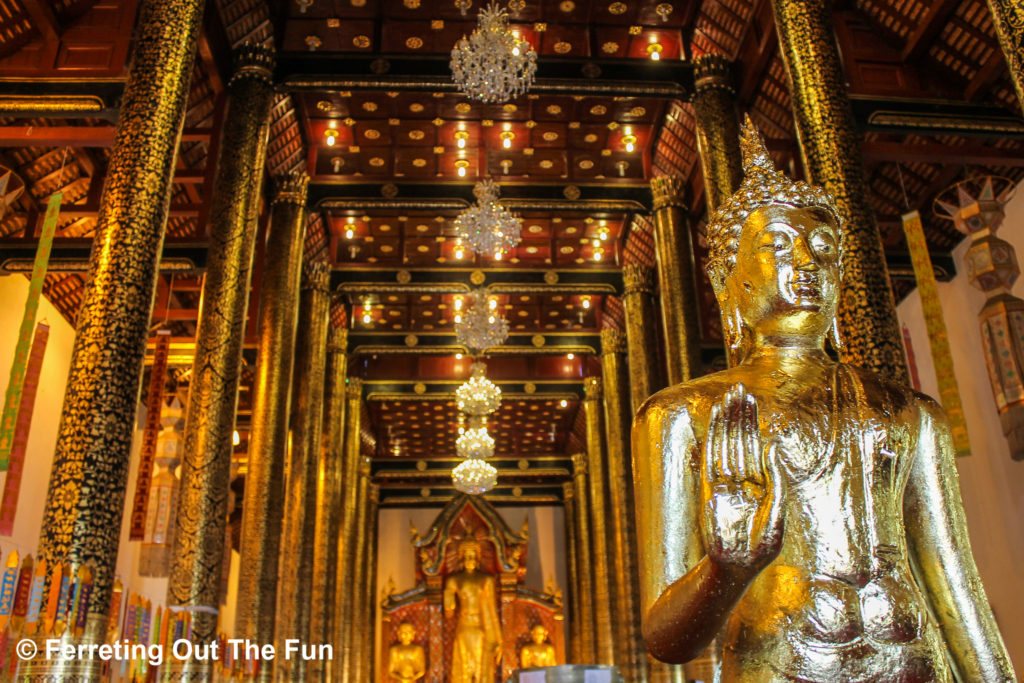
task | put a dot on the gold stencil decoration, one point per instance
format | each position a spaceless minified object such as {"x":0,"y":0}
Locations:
{"x":403,"y":277}
{"x":411,"y":340}
{"x":477,"y":277}
{"x":463,"y":107}
{"x":563,"y":47}
{"x":567,"y":6}
{"x":599,"y":110}
{"x":610,"y":48}
{"x":554,"y":109}
{"x":538,"y":340}
{"x":411,"y":4}
{"x":617,"y":8}
{"x":362,"y":42}
{"x":414,"y":42}
{"x":530,"y":388}
{"x":420,"y":388}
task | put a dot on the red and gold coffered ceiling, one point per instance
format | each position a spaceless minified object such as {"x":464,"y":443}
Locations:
{"x":367,"y":107}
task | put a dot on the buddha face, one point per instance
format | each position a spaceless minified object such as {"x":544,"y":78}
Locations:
{"x":406,"y":633}
{"x":470,"y":559}
{"x":538,"y":634}
{"x":785,"y":282}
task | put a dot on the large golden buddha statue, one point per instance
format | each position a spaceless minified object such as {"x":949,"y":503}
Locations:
{"x":811,"y":508}
{"x":470,"y":595}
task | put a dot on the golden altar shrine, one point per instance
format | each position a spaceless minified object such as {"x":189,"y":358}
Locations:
{"x":502,"y":555}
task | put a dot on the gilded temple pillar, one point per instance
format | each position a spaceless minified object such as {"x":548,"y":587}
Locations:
{"x":584,"y":562}
{"x":295,"y":604}
{"x":646,"y":375}
{"x":598,"y":502}
{"x":348,"y":557}
{"x":718,"y":128}
{"x":85,"y":499}
{"x":269,"y":442}
{"x":195,"y":577}
{"x":1008,"y":21}
{"x":630,"y":649}
{"x":831,"y":153}
{"x":574,"y":651}
{"x":355,"y":663}
{"x":367,"y":639}
{"x":328,"y":501}
{"x":676,"y":280}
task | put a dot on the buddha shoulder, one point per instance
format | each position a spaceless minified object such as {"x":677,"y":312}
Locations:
{"x":897,"y":399}
{"x":686,"y":401}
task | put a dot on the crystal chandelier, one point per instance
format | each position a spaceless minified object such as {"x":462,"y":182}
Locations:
{"x":493,"y":64}
{"x":478,"y":396}
{"x":475,"y":443}
{"x":487,"y":228}
{"x":474,"y":477}
{"x":481,"y":327}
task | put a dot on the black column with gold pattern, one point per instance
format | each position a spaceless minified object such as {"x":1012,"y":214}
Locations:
{"x":631,"y":654}
{"x":676,"y":280}
{"x":264,"y":482}
{"x":646,"y":375}
{"x":1008,"y":21}
{"x":598,"y":500}
{"x":831,"y":152}
{"x":718,"y":128}
{"x":294,"y":603}
{"x":195,"y":577}
{"x":584,"y":561}
{"x":574,"y":650}
{"x":329,"y":507}
{"x":368,"y":637}
{"x":85,"y":498}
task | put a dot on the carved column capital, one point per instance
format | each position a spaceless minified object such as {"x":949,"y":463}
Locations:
{"x":337,"y":340}
{"x":712,"y":72}
{"x":291,"y":188}
{"x":568,"y":491}
{"x":637,"y":278}
{"x":317,"y":276}
{"x":354,"y":389}
{"x":612,"y":341}
{"x":253,"y":60}
{"x":592,"y":388}
{"x":579,"y":464}
{"x":668,"y":190}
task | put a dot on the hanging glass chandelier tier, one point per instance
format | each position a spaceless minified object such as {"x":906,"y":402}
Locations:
{"x":480,"y":327}
{"x":475,"y":443}
{"x":493,"y":64}
{"x":478,"y":396}
{"x":474,"y":477}
{"x":486,"y":227}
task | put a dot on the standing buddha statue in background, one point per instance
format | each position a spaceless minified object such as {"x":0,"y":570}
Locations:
{"x":471,"y":596}
{"x":809,"y":507}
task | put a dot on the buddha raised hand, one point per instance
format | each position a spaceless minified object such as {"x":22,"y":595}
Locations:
{"x":786,"y":499}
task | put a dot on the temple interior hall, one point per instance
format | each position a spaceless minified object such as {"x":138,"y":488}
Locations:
{"x":324,"y":325}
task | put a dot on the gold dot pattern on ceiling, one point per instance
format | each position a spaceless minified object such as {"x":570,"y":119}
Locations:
{"x":610,"y":48}
{"x":554,"y":110}
{"x":617,"y":8}
{"x":416,"y":107}
{"x":599,"y":110}
{"x":567,"y":6}
{"x":563,"y":47}
{"x":372,"y":134}
{"x":361,"y":42}
{"x":429,"y":427}
{"x":414,"y":42}
{"x":369,"y":106}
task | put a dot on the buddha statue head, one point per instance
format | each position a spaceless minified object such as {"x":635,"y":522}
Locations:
{"x":538,"y":634}
{"x":774,"y":257}
{"x":469,"y":553}
{"x":406,"y":633}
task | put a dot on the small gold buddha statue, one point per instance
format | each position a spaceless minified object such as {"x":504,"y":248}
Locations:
{"x":470,"y":596}
{"x":406,"y":660}
{"x":539,"y":652}
{"x":809,"y":508}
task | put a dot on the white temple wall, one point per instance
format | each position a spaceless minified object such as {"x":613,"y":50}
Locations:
{"x":991,"y":482}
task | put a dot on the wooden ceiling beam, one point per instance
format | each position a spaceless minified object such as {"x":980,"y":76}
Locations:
{"x":43,"y":19}
{"x":77,"y":136}
{"x":936,"y":153}
{"x":928,"y":28}
{"x":987,"y":75}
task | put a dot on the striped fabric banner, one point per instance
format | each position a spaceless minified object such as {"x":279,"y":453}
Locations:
{"x":19,"y":446}
{"x":12,"y":401}
{"x":147,"y":455}
{"x":942,"y":358}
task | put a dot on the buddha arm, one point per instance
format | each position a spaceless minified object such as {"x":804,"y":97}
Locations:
{"x":937,"y":538}
{"x":449,"y":597}
{"x":682,"y":606}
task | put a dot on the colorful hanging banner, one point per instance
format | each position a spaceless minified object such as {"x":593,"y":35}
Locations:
{"x":942,"y":358}
{"x":12,"y":401}
{"x":22,"y":426}
{"x":154,"y":406}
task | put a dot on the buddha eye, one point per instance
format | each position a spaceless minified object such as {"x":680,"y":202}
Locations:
{"x":823,"y":244}
{"x":776,"y":241}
